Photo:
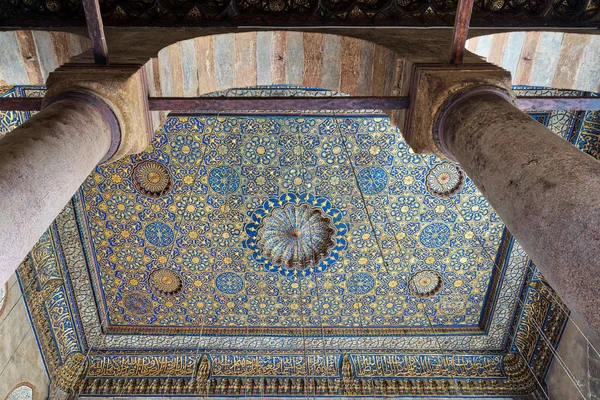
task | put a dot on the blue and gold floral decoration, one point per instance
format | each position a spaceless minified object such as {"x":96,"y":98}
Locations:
{"x":257,"y":211}
{"x":148,"y":271}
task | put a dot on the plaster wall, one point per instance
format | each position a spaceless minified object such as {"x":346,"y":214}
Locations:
{"x":575,"y":370}
{"x":20,"y":358}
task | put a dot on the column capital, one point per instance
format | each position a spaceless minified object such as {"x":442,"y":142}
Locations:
{"x":119,"y":92}
{"x":434,"y":88}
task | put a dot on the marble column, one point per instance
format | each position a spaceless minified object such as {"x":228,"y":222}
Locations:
{"x":42,"y":164}
{"x":544,"y":189}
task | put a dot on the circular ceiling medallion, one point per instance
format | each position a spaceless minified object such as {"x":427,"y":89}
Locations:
{"x":159,"y":234}
{"x":425,"y":283}
{"x":445,"y":179}
{"x":151,"y":178}
{"x":165,"y":282}
{"x":434,"y":235}
{"x":296,"y":234}
{"x":138,"y":303}
{"x":372,"y":180}
{"x":224,"y":180}
{"x":229,"y":282}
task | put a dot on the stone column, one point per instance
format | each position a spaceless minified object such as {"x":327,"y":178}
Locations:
{"x":545,"y":190}
{"x":42,"y":164}
{"x":90,"y":115}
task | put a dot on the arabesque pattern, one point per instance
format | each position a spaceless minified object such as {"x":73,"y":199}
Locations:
{"x":232,"y":173}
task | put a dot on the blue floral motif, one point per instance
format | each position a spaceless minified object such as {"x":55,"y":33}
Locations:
{"x":263,"y":305}
{"x":124,"y":233}
{"x":260,"y":180}
{"x":225,"y":234}
{"x":370,"y":149}
{"x":261,"y":283}
{"x":327,"y":127}
{"x":297,"y":180}
{"x":335,"y":151}
{"x":463,"y":259}
{"x":327,"y":305}
{"x":405,"y":208}
{"x":250,"y":126}
{"x":116,"y":178}
{"x":159,"y":234}
{"x":297,"y":125}
{"x":372,"y":180}
{"x":364,"y":237}
{"x":475,"y":208}
{"x":407,"y":179}
{"x":130,"y":257}
{"x":260,"y":150}
{"x":349,"y":126}
{"x":224,"y":180}
{"x":360,"y":283}
{"x":335,"y":179}
{"x":221,"y":124}
{"x":155,"y":208}
{"x":121,"y":206}
{"x":193,"y":235}
{"x":191,"y":208}
{"x":229,"y":283}
{"x":225,"y":208}
{"x":223,"y":149}
{"x":389,"y":305}
{"x":435,"y":235}
{"x":201,"y":305}
{"x":195,"y":260}
{"x":185,"y":149}
{"x":291,"y":285}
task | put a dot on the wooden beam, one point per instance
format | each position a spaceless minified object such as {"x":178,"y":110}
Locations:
{"x":20,"y":104}
{"x":232,"y":104}
{"x":93,"y":18}
{"x":197,"y":104}
{"x":461,"y":30}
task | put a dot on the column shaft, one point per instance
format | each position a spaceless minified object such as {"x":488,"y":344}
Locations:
{"x":544,"y":189}
{"x":42,"y":164}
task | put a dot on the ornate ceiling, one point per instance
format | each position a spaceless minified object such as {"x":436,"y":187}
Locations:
{"x":498,"y":13}
{"x":288,"y":254}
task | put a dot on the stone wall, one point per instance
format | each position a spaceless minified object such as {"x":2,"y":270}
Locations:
{"x":20,"y":358}
{"x":575,"y":371}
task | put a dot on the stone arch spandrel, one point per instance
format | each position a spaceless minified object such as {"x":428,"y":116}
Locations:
{"x":206,"y":64}
{"x":211,"y":63}
{"x":551,"y":59}
{"x":29,"y":56}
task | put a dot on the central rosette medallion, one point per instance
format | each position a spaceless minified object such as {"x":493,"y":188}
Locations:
{"x":296,"y":234}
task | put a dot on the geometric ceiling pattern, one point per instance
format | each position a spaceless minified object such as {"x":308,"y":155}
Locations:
{"x":390,"y":229}
{"x":290,"y":254}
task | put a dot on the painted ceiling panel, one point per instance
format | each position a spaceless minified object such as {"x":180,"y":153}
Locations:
{"x":386,"y":238}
